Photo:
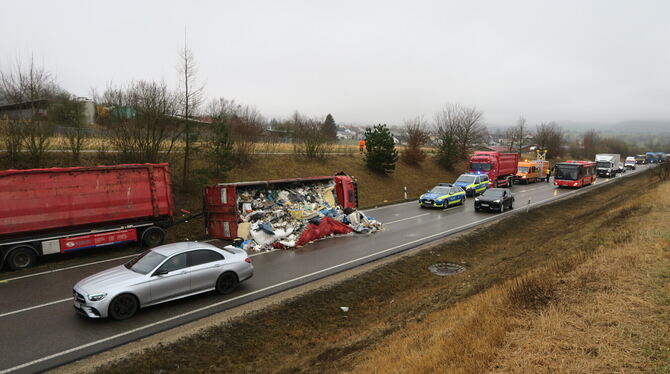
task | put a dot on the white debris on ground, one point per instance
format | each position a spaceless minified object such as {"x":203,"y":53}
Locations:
{"x":280,"y":218}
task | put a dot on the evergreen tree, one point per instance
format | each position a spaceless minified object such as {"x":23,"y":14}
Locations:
{"x":380,"y":152}
{"x":221,"y":148}
{"x":329,"y":128}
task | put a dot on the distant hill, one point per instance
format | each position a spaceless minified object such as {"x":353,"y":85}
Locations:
{"x":629,"y":127}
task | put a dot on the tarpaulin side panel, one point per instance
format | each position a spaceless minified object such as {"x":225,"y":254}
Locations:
{"x":42,"y":199}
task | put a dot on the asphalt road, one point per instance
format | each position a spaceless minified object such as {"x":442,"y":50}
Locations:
{"x":39,"y":328}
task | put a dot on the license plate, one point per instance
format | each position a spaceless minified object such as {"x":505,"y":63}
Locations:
{"x":485,"y":204}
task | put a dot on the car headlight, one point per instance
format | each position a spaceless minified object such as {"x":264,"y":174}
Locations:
{"x":476,"y":199}
{"x":496,"y":201}
{"x":97,"y":296}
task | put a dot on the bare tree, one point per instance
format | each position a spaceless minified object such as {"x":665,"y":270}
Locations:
{"x":311,"y":140}
{"x":28,"y":86}
{"x":191,"y":98}
{"x":143,"y":119}
{"x":13,"y":138}
{"x":471,"y":129}
{"x":549,"y":136}
{"x":590,"y":142}
{"x":69,"y":113}
{"x":516,"y":136}
{"x":417,"y":137}
{"x":447,"y":123}
{"x":37,"y":135}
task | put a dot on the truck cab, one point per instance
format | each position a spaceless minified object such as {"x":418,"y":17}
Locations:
{"x":532,"y":171}
{"x":499,"y":168}
{"x":608,"y":165}
{"x":630,"y":163}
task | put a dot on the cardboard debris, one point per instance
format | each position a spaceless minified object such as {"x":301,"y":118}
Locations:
{"x":296,"y":215}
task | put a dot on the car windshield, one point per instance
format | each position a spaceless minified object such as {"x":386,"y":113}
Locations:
{"x":440,"y":190}
{"x":145,"y":262}
{"x":603,"y":164}
{"x":568,"y":172}
{"x":466,"y":179}
{"x":493,"y":193}
{"x":523,"y":169}
{"x":480,"y":166}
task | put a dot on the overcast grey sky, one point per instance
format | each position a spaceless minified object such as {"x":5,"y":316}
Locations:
{"x":367,"y":61}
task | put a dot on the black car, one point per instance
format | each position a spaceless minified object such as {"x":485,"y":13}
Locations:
{"x":495,"y":199}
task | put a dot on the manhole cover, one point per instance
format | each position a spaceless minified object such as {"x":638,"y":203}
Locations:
{"x":446,"y":268}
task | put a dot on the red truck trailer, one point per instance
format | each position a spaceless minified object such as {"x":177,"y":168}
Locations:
{"x":222,"y":208}
{"x":58,"y":210}
{"x":574,"y":173}
{"x":500,"y":167}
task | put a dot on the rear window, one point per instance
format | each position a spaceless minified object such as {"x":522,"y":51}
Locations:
{"x":494,"y":193}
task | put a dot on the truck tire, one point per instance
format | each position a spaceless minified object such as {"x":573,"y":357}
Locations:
{"x":21,"y":256}
{"x":153,"y":236}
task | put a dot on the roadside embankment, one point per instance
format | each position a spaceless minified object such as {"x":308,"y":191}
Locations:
{"x":579,"y":252}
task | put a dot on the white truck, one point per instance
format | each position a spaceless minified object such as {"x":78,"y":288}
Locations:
{"x":608,"y":165}
{"x":630,"y":163}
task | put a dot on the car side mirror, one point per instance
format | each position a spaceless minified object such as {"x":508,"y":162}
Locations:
{"x":160,"y":272}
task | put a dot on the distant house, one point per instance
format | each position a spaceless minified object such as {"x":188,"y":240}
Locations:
{"x":40,"y":109}
{"x":524,"y":149}
{"x":345,"y":134}
{"x":25,"y":110}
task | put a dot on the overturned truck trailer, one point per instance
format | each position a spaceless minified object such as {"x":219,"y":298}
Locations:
{"x":226,"y":205}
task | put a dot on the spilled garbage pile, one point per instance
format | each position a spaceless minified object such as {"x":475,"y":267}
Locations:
{"x":292,"y":216}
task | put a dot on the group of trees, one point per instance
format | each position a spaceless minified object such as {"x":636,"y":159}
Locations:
{"x":148,"y":121}
{"x":29,"y":86}
{"x":455,"y":130}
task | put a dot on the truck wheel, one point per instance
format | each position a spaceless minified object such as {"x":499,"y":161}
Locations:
{"x":153,"y":236}
{"x":123,"y":307}
{"x":21,"y":257}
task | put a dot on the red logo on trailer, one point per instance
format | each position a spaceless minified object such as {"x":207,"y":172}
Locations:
{"x":96,"y":240}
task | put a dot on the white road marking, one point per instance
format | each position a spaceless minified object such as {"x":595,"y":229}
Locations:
{"x":405,"y":219}
{"x":35,"y":307}
{"x":67,"y":268}
{"x":390,"y":206}
{"x":443,"y":233}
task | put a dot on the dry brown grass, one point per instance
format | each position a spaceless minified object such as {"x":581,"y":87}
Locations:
{"x":402,"y":302}
{"x":602,"y":312}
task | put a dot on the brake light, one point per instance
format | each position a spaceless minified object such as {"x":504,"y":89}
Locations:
{"x":247,"y":260}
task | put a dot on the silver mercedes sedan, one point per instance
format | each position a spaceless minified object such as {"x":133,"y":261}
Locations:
{"x":162,"y":274}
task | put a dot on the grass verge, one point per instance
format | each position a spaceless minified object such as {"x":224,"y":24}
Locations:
{"x":404,"y":319}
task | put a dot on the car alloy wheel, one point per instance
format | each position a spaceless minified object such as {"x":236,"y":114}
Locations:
{"x":123,"y":307}
{"x":226,"y":283}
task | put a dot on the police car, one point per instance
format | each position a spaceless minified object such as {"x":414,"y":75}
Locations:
{"x":442,"y":196}
{"x":473,"y":184}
